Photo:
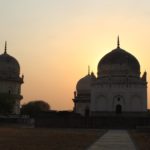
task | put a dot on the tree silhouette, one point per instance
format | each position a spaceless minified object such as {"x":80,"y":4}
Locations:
{"x":33,"y":108}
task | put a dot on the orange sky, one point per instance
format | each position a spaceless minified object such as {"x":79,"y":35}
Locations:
{"x":55,"y":41}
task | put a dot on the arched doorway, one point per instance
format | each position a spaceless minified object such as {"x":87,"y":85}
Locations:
{"x":118,"y":104}
{"x":118,"y":109}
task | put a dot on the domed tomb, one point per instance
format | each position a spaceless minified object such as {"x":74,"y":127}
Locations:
{"x":118,"y":87}
{"x":10,"y":82}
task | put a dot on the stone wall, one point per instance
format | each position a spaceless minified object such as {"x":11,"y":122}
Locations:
{"x":105,"y":120}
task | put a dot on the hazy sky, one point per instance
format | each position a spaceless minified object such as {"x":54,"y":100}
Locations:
{"x":56,"y":40}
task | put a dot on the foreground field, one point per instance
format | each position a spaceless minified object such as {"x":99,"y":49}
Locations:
{"x":141,"y":138}
{"x":47,"y":139}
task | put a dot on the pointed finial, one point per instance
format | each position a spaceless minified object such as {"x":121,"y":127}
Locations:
{"x":118,"y":42}
{"x":5,"y":50}
{"x":88,"y":70}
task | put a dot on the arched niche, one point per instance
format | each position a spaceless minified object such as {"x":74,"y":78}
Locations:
{"x":118,"y":104}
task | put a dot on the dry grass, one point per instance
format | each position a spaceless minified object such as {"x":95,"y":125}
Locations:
{"x":142,"y":139}
{"x":47,"y":139}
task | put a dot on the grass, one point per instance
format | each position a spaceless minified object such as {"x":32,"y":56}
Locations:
{"x":47,"y":139}
{"x":141,"y":138}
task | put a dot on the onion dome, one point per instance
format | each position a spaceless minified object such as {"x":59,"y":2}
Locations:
{"x":84,"y":84}
{"x":118,"y":62}
{"x":9,"y":66}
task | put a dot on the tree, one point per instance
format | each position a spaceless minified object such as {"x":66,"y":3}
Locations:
{"x":33,"y":108}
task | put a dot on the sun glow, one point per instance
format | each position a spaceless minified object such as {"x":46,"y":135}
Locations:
{"x":55,"y":41}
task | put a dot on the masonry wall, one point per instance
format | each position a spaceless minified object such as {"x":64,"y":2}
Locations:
{"x":107,"y":121}
{"x":131,"y":99}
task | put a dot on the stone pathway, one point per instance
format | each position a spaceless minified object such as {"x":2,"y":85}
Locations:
{"x":114,"y":140}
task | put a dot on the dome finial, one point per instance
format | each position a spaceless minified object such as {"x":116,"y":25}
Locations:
{"x":88,"y":70}
{"x":118,"y":42}
{"x":5,"y":49}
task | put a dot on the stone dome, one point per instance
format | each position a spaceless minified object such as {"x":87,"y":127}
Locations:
{"x":84,"y":84}
{"x":9,"y":66}
{"x":118,"y":62}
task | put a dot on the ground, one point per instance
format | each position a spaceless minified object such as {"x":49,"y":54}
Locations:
{"x":47,"y":139}
{"x":141,"y":138}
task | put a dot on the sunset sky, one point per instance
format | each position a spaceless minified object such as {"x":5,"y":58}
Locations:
{"x":56,"y":40}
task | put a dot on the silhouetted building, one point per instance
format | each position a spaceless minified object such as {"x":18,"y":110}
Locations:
{"x":10,"y":80}
{"x":118,"y":86}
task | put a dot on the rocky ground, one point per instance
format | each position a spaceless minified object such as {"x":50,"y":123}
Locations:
{"x":47,"y":139}
{"x":141,"y":138}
